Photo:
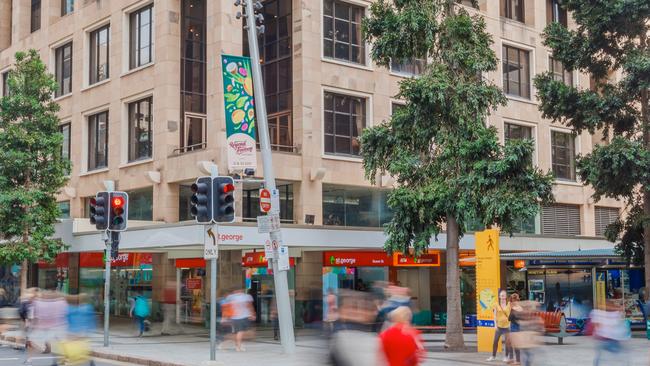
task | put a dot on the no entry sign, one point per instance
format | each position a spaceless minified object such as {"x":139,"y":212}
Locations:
{"x":265,"y":200}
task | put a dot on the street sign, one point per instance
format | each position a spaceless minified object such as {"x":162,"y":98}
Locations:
{"x":268,"y":250}
{"x":210,"y":244}
{"x":268,"y":223}
{"x":275,"y":201}
{"x":265,"y":200}
{"x":276,"y":244}
{"x":283,"y":259}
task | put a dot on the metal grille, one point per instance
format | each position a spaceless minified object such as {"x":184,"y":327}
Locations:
{"x":604,"y":217}
{"x":561,"y":220}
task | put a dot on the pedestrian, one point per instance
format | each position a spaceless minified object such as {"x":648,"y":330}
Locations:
{"x":609,"y":330}
{"x":141,"y":310}
{"x":332,"y":312}
{"x":401,"y":344}
{"x":397,"y":296}
{"x":50,"y":320}
{"x":26,"y":312}
{"x":502,"y":325}
{"x":242,"y":314}
{"x":516,"y":315}
{"x":82,"y":322}
{"x":531,"y":328}
{"x":169,"y":308}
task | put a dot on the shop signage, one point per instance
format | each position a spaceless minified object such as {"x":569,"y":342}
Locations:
{"x":488,"y":282}
{"x":258,"y":259}
{"x":466,"y":255}
{"x":190,"y":263}
{"x":265,"y":200}
{"x":355,"y":259}
{"x":61,"y":260}
{"x":283,"y":259}
{"x":431,"y":259}
{"x":240,"y":112}
{"x":519,"y":264}
{"x":268,"y":223}
{"x":194,"y":283}
{"x":96,"y":260}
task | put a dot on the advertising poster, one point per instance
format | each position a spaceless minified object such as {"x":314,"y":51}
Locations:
{"x":239,"y":111}
{"x":488,"y":281}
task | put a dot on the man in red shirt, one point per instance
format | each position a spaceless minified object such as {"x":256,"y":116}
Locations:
{"x":401,"y":343}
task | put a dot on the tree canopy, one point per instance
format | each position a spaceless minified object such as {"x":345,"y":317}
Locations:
{"x":32,"y":170}
{"x":611,"y":43}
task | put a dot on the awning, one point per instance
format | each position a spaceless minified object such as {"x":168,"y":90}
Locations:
{"x":571,"y":254}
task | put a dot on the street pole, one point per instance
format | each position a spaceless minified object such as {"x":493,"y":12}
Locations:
{"x":279,"y":277}
{"x":214,"y":172}
{"x":107,"y":285}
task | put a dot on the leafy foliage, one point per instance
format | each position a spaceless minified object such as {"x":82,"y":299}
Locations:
{"x":32,"y":170}
{"x":611,"y":39}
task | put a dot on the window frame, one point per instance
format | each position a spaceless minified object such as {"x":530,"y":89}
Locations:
{"x":65,"y":151}
{"x":575,"y":149}
{"x":93,"y":54}
{"x":565,"y":73}
{"x":555,"y":219}
{"x":414,"y":63}
{"x":35,"y":15}
{"x":59,"y":68}
{"x":555,"y":14}
{"x":132,"y":149}
{"x":363,"y":52}
{"x":505,"y":80}
{"x":609,"y":209}
{"x":65,"y":10}
{"x":367,"y":117}
{"x":94,"y":141}
{"x":134,"y":37}
{"x":509,"y":13}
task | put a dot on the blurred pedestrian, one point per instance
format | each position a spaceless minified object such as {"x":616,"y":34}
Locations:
{"x":401,"y":343}
{"x":50,"y":319}
{"x":502,"y":326}
{"x":26,"y":312}
{"x":242,"y":314}
{"x":82,"y":322}
{"x":354,"y":343}
{"x":169,"y":308}
{"x":332,"y":314}
{"x":397,"y":296}
{"x":609,"y":330}
{"x":531,"y":328}
{"x":516,"y":315}
{"x":141,"y":310}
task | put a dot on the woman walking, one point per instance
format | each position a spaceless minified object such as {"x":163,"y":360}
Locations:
{"x":502,"y":325}
{"x":516,"y":314}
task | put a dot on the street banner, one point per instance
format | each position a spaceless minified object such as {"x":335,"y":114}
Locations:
{"x":240,"y":112}
{"x":488,"y":281}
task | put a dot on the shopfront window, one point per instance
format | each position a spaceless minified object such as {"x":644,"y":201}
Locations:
{"x":352,"y":206}
{"x":567,"y":290}
{"x":141,"y":204}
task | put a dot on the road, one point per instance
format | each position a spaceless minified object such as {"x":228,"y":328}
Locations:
{"x":13,"y":357}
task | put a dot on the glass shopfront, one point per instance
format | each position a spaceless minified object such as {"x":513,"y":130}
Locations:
{"x":192,"y":306}
{"x":54,"y":276}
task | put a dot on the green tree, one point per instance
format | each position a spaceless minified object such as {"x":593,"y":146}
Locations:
{"x":611,"y":39}
{"x":450,"y":167}
{"x":32,"y":170}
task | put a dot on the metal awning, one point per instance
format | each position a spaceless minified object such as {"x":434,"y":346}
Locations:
{"x":567,"y":255}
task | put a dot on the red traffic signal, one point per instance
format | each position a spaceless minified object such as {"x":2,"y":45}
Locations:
{"x":117,"y":202}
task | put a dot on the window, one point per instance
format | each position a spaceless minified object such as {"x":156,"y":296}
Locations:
{"x":555,"y":12}
{"x":99,"y":48}
{"x":410,"y":67}
{"x":64,"y":208}
{"x":184,"y":202}
{"x":140,"y":129}
{"x":604,"y":217}
{"x":559,"y":72}
{"x":563,"y":155}
{"x":525,"y":225}
{"x":513,"y":9}
{"x":98,"y":141}
{"x":193,"y":73}
{"x":5,"y":83}
{"x":355,"y":206}
{"x":141,"y":204}
{"x":517,"y":132}
{"x":251,"y":203}
{"x":561,"y":220}
{"x":516,"y":72}
{"x":65,"y":146}
{"x":35,"y":18}
{"x":275,"y":52}
{"x":342,"y":31}
{"x":67,"y":7}
{"x":345,"y":117}
{"x":140,"y":38}
{"x":63,"y":69}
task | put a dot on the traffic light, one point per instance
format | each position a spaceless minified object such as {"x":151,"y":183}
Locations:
{"x":118,"y":214}
{"x":115,"y":244}
{"x":202,"y":200}
{"x":224,"y":203}
{"x":98,"y":211}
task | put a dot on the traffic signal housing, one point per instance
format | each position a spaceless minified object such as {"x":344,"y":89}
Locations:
{"x":119,"y":211}
{"x":99,"y":210}
{"x":224,"y":203}
{"x":202,"y":200}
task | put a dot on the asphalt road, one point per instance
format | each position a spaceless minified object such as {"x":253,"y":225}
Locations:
{"x":13,"y":357}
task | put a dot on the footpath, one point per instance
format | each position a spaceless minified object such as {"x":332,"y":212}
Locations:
{"x":192,"y":348}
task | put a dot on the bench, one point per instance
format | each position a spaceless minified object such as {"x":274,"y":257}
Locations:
{"x":555,"y":324}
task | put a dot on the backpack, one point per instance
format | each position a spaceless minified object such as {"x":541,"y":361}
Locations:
{"x":141,"y":307}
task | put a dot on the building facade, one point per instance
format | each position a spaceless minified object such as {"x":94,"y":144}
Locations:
{"x":140,"y":90}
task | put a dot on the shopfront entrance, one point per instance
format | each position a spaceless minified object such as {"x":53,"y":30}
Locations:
{"x":191,"y":283}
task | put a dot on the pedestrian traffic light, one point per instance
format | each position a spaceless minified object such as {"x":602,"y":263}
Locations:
{"x":115,"y":244}
{"x":98,"y":211}
{"x":118,"y":214}
{"x":224,"y":203}
{"x":202,"y":200}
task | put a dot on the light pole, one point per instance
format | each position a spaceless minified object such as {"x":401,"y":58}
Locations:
{"x":279,"y":277}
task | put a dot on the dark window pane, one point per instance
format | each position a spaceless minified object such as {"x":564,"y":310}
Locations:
{"x":67,"y":7}
{"x":140,"y":129}
{"x":141,"y":27}
{"x":345,"y":123}
{"x":349,"y":206}
{"x":35,"y":18}
{"x":141,"y":204}
{"x":345,"y":30}
{"x":99,"y":54}
{"x":516,"y":72}
{"x":98,"y":141}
